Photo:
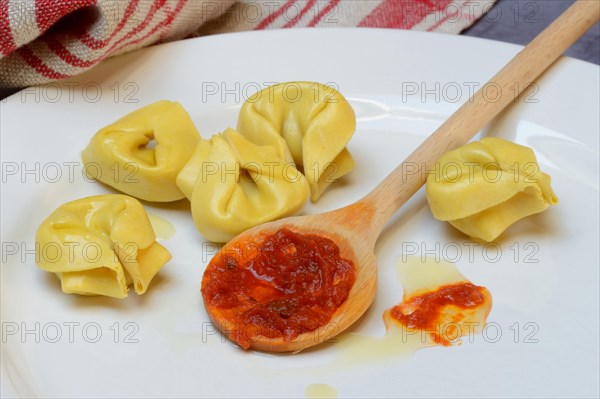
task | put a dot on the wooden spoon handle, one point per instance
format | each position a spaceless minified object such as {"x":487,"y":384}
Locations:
{"x":472,"y":116}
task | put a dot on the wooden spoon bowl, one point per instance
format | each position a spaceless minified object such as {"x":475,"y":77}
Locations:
{"x":348,"y":232}
{"x":355,"y":228}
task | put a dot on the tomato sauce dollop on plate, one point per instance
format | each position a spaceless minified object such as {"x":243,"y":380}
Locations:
{"x":442,"y":311}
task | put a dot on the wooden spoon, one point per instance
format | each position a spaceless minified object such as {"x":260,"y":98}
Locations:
{"x":355,"y":228}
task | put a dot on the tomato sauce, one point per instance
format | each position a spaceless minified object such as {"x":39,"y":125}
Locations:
{"x":286,"y":285}
{"x":426,"y":311}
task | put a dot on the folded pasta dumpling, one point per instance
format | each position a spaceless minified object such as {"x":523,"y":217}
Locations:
{"x":483,"y":187}
{"x":99,"y":245}
{"x":306,"y":122}
{"x":234,"y":184}
{"x":142,"y":153}
{"x":439,"y":301}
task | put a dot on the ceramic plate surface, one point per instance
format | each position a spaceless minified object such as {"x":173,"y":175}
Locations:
{"x":543,"y":273}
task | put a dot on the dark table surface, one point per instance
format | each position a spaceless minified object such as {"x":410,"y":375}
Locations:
{"x":518,"y":21}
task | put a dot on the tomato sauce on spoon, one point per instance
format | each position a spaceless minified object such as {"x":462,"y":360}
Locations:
{"x":281,"y":287}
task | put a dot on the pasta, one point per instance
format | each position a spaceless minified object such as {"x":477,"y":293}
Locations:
{"x":439,"y":301}
{"x":234,"y":184}
{"x":306,"y":122}
{"x":121,"y":154}
{"x":100,"y":245}
{"x":483,"y":187}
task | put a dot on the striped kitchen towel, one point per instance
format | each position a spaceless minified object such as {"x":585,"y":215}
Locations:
{"x":46,"y":40}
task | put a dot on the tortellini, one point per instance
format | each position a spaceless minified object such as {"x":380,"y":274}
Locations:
{"x":483,"y":187}
{"x":100,"y":245}
{"x":234,"y":184}
{"x":142,"y":153}
{"x":306,"y":122}
{"x":439,"y":301}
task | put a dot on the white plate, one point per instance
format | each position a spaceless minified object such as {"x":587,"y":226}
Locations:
{"x":174,"y":351}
